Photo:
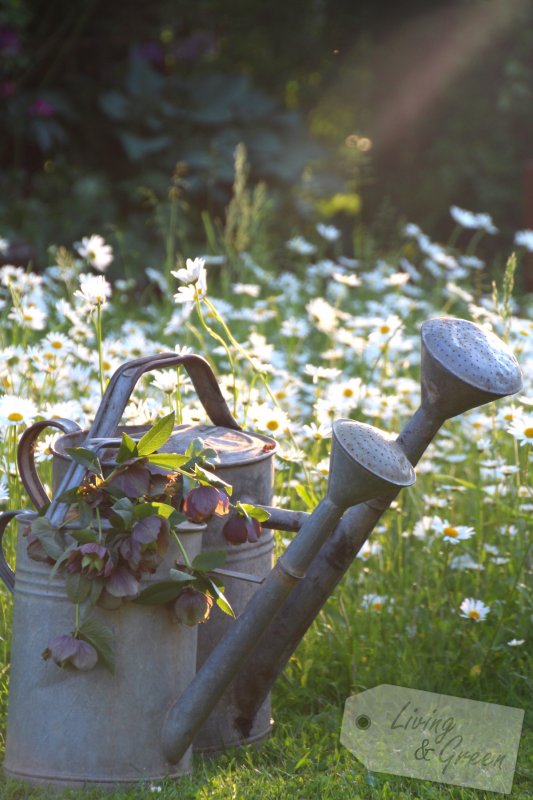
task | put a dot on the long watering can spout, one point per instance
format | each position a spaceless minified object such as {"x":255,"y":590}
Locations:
{"x":365,"y":463}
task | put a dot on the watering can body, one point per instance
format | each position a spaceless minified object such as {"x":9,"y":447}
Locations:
{"x":246,"y":463}
{"x":72,"y":728}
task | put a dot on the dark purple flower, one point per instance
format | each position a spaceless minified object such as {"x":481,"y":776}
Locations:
{"x":148,"y":542}
{"x":239,"y":529}
{"x":122,"y":583}
{"x":92,"y":559}
{"x":133,"y":480}
{"x":42,"y":108}
{"x":67,"y":651}
{"x":192,"y":607}
{"x":201,"y":503}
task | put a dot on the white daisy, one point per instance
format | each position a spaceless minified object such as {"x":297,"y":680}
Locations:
{"x":522,"y":430}
{"x":467,"y":219}
{"x":95,"y":251}
{"x":452,"y":533}
{"x":516,"y":642}
{"x":328,"y":232}
{"x":524,"y":239}
{"x":375,"y":602}
{"x":94,"y":290}
{"x":16,"y":410}
{"x":474,"y":609}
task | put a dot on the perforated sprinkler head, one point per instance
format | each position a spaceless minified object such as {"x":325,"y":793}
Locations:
{"x":365,"y":462}
{"x":464,"y":366}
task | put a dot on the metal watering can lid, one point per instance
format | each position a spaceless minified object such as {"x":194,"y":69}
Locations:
{"x":233,"y":447}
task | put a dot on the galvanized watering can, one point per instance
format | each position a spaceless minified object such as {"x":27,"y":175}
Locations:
{"x":246,"y":463}
{"x":367,"y":470}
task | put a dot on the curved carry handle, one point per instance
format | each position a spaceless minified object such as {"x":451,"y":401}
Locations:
{"x":6,"y":573}
{"x":26,"y":457}
{"x":125,"y":378}
{"x":115,"y":399}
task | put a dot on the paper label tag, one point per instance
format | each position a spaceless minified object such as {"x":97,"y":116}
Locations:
{"x":434,"y":737}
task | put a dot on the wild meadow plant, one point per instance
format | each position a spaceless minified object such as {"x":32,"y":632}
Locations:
{"x":440,"y":598}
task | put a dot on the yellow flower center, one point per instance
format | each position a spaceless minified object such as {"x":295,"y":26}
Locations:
{"x":473,"y":615}
{"x":348,"y":392}
{"x":15,"y":417}
{"x":509,"y":417}
{"x":377,"y":606}
{"x":529,"y":433}
{"x":280,"y":395}
{"x":57,"y":345}
{"x":272,"y":424}
{"x":384,"y":329}
{"x":106,"y":365}
{"x":449,"y":531}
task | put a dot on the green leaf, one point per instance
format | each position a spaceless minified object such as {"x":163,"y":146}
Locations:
{"x":260,"y":514}
{"x":127,"y":449}
{"x":84,"y":536}
{"x":86,"y":458}
{"x":101,"y":638}
{"x":210,"y":479}
{"x":78,"y":587}
{"x":125,"y":510}
{"x":209,"y":559}
{"x":157,"y":436}
{"x":304,"y":494}
{"x":170,"y":461}
{"x":160,"y":593}
{"x":149,"y":509}
{"x":49,"y":537}
{"x":178,"y":575}
{"x":222,"y":601}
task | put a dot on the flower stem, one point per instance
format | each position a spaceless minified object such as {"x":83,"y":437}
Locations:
{"x":99,"y":345}
{"x":182,"y":550}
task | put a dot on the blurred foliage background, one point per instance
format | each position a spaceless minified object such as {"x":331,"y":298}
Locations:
{"x":123,"y":117}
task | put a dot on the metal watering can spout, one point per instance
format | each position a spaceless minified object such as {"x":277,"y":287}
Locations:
{"x":365,"y":463}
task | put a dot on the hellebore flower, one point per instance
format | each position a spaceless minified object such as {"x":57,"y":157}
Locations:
{"x":67,"y":651}
{"x":192,"y":607}
{"x":201,"y":503}
{"x":145,"y":547}
{"x":122,"y":583}
{"x":92,"y":560}
{"x":239,"y":529}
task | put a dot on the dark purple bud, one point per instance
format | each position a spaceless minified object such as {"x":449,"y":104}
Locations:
{"x":192,"y":607}
{"x":239,"y":529}
{"x":201,"y":503}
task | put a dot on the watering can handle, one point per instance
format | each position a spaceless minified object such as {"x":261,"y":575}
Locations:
{"x":124,"y":379}
{"x":6,"y":573}
{"x":116,"y":397}
{"x":26,"y":457}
